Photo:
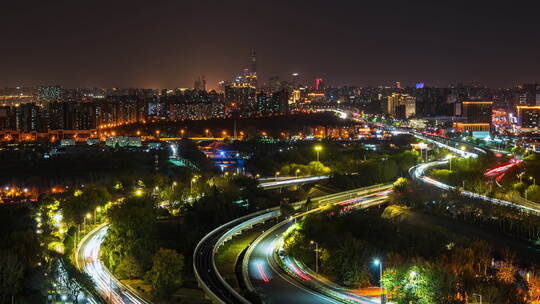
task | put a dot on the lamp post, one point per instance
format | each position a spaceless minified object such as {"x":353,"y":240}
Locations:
{"x":378,"y":262}
{"x":318,"y":150}
{"x":520,"y":175}
{"x":194,"y":179}
{"x":316,"y":257}
{"x":533,"y":179}
{"x":98,"y":209}
{"x":450,"y":157}
{"x":297,"y":171}
{"x":87,"y":216}
{"x":474,"y":295}
{"x":277,"y":174}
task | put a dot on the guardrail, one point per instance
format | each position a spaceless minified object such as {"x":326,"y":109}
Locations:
{"x":325,"y":200}
{"x":417,"y":172}
{"x":242,"y":223}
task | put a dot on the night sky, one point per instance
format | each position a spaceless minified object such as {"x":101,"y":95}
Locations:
{"x":169,"y":43}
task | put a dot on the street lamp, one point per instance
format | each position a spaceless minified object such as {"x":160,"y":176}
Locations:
{"x":450,"y":158}
{"x":379,"y":263}
{"x":277,"y":174}
{"x":316,"y":256}
{"x":98,"y":209}
{"x":318,"y":149}
{"x":194,"y":179}
{"x":297,"y":171}
{"x":474,"y":295}
{"x":533,"y":179}
{"x":87,"y":216}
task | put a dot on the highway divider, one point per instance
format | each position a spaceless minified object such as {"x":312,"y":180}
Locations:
{"x":225,"y":232}
{"x":322,"y":202}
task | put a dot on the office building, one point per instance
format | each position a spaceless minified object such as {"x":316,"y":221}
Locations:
{"x":401,"y":105}
{"x":528,"y":116}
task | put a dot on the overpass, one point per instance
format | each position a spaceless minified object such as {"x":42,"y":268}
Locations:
{"x":277,"y":183}
{"x":204,"y":265}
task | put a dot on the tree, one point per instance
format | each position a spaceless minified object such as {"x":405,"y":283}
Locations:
{"x":129,"y":268}
{"x":533,"y":193}
{"x":132,"y":233}
{"x":533,"y":288}
{"x":401,"y":184}
{"x":11,"y":274}
{"x":75,"y":281}
{"x":166,"y":273}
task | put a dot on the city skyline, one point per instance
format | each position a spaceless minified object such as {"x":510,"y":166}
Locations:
{"x":169,"y":44}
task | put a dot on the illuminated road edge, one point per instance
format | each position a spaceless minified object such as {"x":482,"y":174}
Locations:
{"x":205,"y":269}
{"x":292,"y":181}
{"x":307,"y":277}
{"x":87,"y":258}
{"x":418,"y":171}
{"x":304,"y":280}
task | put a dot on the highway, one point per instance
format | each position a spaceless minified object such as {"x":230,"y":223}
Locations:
{"x":274,"y":284}
{"x":205,"y":269}
{"x":418,"y":171}
{"x":204,"y":266}
{"x":88,"y":260}
{"x":282,"y":182}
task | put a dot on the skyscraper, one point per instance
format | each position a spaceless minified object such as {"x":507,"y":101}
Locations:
{"x":401,"y":105}
{"x":200,"y":84}
{"x":252,"y":71}
{"x":319,"y":84}
{"x":478,"y":118}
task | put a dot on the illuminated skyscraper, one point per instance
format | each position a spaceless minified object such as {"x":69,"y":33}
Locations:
{"x":251,"y":76}
{"x":479,"y":116}
{"x":319,"y":85}
{"x":401,"y":105}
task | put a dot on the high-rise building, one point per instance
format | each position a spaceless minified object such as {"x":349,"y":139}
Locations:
{"x":241,"y":96}
{"x":47,"y":94}
{"x":295,"y":81}
{"x":478,"y":111}
{"x":401,"y":105}
{"x":478,"y":116}
{"x":528,"y":116}
{"x":528,"y":94}
{"x":251,"y":75}
{"x":274,"y":84}
{"x":280,"y":100}
{"x":200,"y":84}
{"x":319,"y":84}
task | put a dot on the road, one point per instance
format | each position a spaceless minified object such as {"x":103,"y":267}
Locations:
{"x":205,"y":269}
{"x":282,"y":182}
{"x":418,"y":172}
{"x":88,"y":260}
{"x":275,"y":285}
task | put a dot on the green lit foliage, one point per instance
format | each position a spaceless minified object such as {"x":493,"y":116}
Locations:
{"x":533,"y":193}
{"x":401,"y":185}
{"x":83,"y":201}
{"x":131,"y":235}
{"x":313,"y":168}
{"x":166,"y":273}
